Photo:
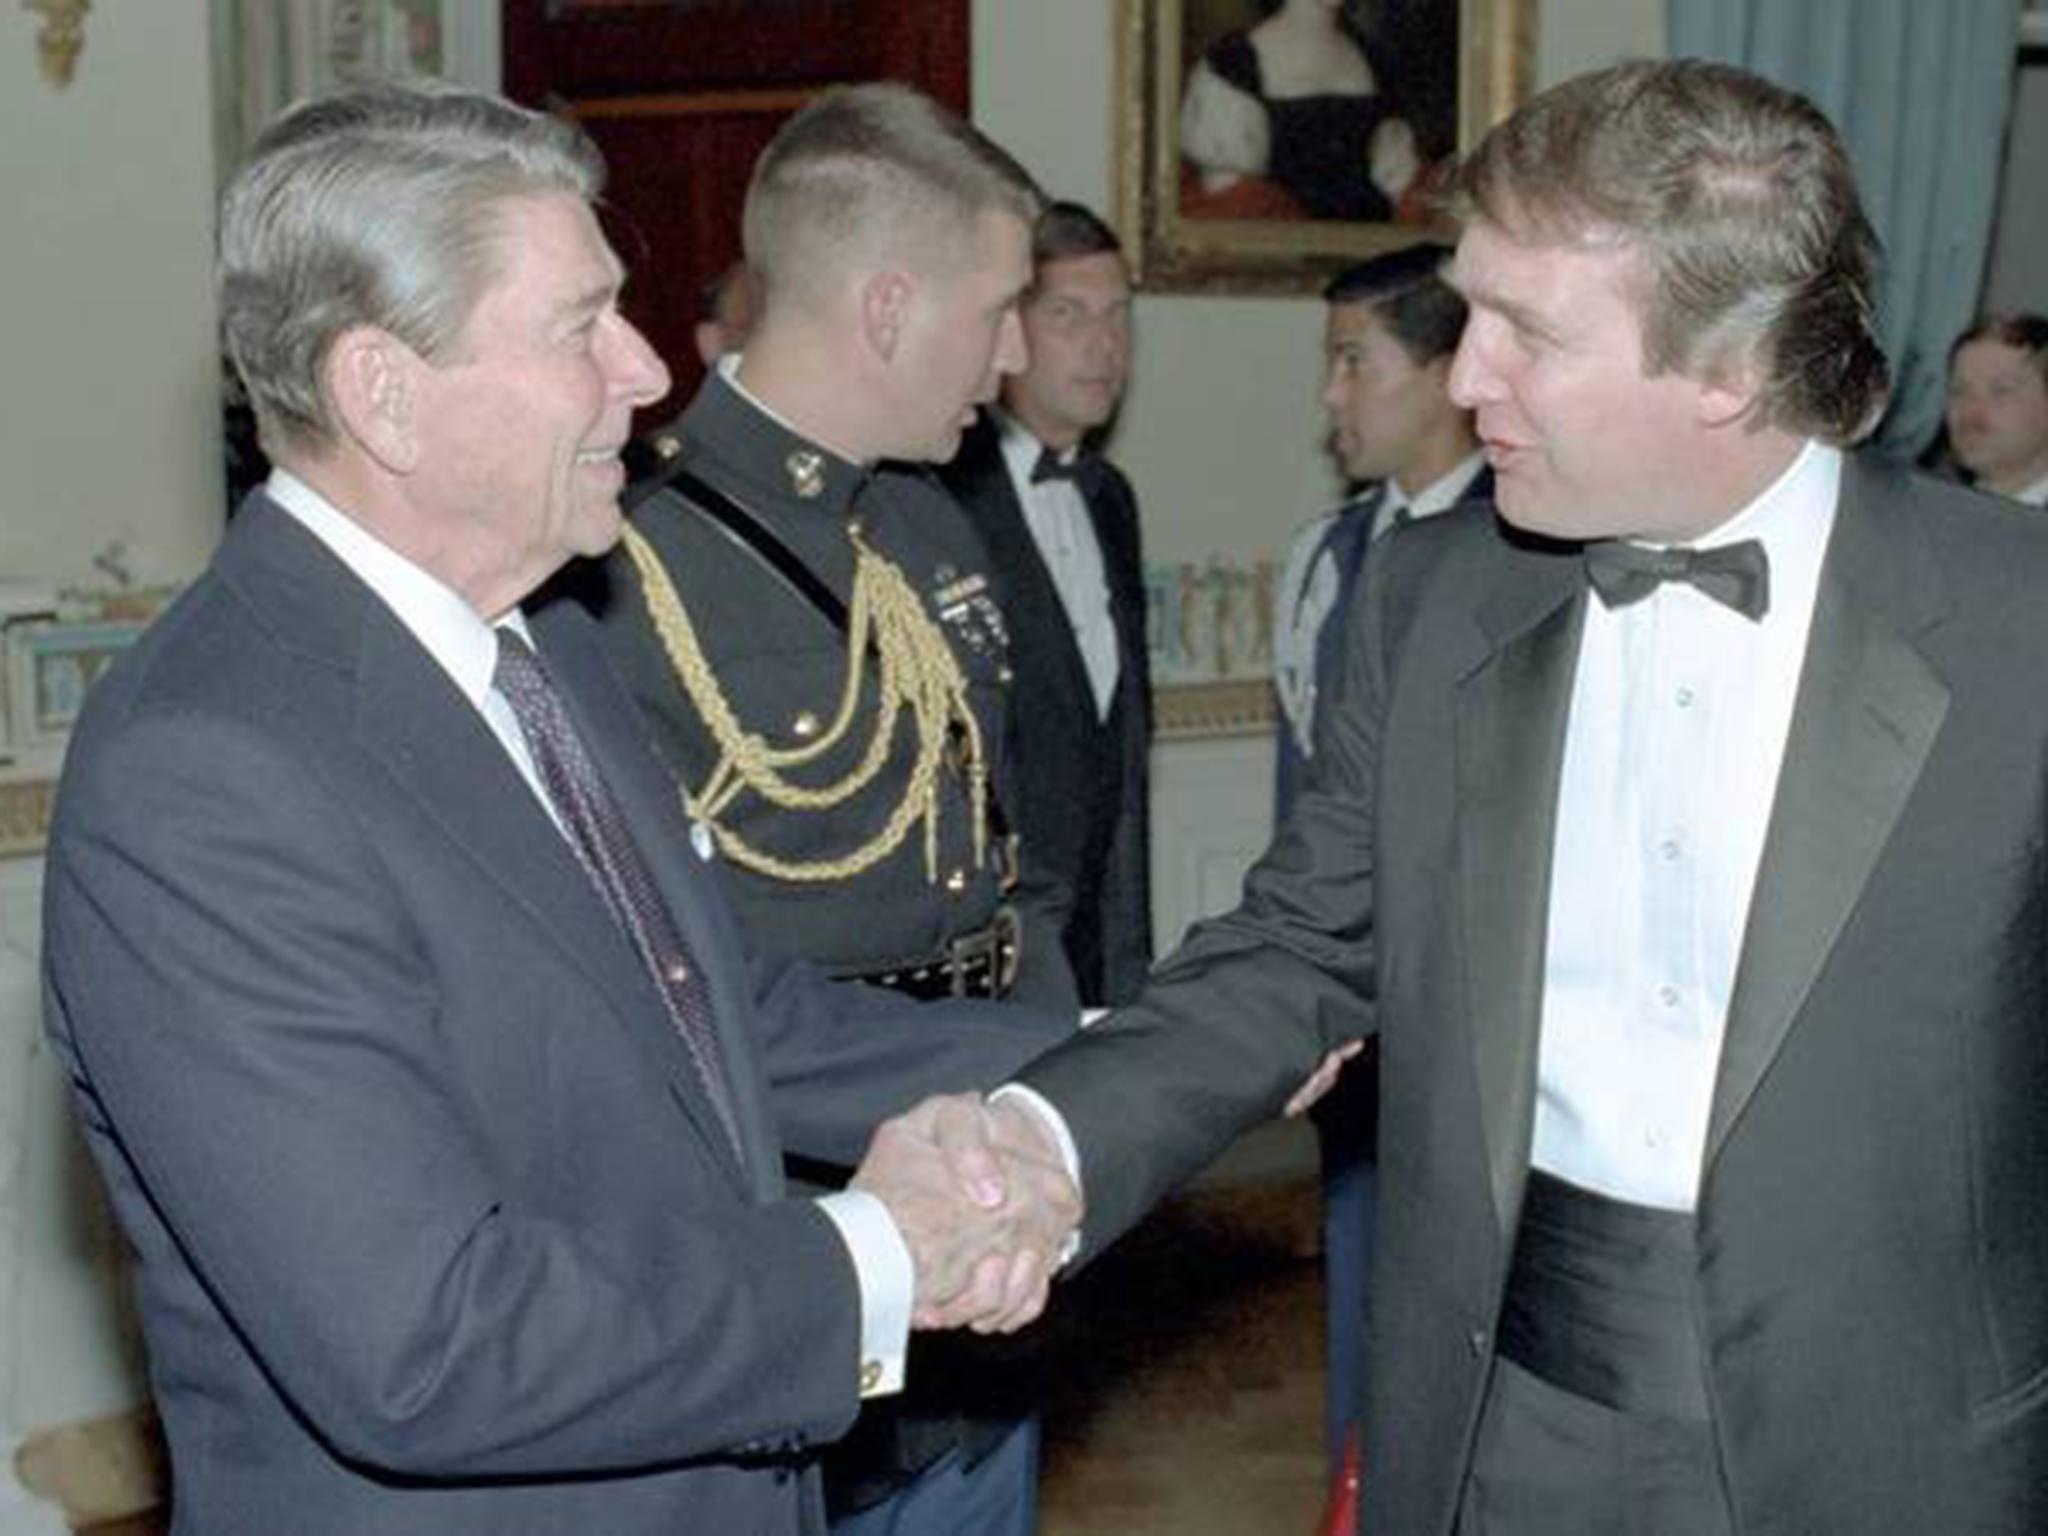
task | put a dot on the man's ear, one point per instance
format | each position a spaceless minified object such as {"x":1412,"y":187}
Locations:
{"x":1728,"y":394}
{"x":885,"y":300}
{"x":373,"y":382}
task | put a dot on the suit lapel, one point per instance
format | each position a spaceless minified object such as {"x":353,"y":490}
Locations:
{"x":1868,"y":711}
{"x":646,"y":797}
{"x":411,"y":718}
{"x":1512,"y":709}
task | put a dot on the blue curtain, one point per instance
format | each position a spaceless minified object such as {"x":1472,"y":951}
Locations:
{"x":1920,"y":90}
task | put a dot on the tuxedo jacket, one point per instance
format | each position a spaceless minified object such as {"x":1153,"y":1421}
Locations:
{"x":1872,"y":1292}
{"x":1079,"y":790}
{"x":436,"y":1229}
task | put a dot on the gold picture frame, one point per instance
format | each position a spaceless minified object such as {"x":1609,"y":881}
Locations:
{"x":1182,"y":234}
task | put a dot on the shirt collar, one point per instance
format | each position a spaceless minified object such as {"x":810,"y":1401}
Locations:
{"x":1442,"y":493}
{"x":1021,"y":446}
{"x":463,"y":644}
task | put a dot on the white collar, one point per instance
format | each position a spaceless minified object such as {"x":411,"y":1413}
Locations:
{"x":460,"y":640}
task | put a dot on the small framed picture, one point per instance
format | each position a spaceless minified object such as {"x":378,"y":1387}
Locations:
{"x":50,"y":665}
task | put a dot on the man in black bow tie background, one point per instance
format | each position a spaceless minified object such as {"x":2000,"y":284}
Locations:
{"x":1061,"y":524}
{"x":1700,"y":921}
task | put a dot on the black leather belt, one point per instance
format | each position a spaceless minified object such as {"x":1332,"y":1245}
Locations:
{"x":1600,"y":1301}
{"x":980,"y":964}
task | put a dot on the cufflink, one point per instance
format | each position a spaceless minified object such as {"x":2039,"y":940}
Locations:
{"x":870,"y":1377}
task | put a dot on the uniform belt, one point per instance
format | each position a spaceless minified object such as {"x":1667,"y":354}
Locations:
{"x":1600,"y":1301}
{"x":980,"y":964}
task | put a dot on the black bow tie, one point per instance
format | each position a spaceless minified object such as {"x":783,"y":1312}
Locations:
{"x":1737,"y":575}
{"x":1051,"y":466}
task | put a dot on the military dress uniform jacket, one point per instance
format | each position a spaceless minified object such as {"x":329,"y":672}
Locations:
{"x":782,"y":664}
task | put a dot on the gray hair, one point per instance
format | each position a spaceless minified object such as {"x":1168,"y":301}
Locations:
{"x":1738,"y":197}
{"x":874,"y":166}
{"x":376,"y":206}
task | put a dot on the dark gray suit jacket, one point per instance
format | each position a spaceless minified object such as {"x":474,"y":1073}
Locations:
{"x":437,"y":1231}
{"x":1080,"y":778}
{"x":1873,"y":1212}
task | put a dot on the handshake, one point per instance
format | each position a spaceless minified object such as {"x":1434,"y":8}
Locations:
{"x":982,"y":1198}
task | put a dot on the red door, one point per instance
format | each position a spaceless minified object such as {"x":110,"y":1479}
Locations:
{"x":682,"y":94}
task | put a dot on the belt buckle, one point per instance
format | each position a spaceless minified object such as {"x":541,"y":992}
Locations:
{"x":969,"y":954}
{"x":1008,"y":930}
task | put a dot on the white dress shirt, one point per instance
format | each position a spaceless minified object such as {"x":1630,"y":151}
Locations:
{"x":1679,"y":713}
{"x":465,"y":646}
{"x":2035,"y":495}
{"x":1057,"y":515}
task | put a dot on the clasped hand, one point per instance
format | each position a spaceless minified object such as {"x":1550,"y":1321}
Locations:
{"x":984,"y":1204}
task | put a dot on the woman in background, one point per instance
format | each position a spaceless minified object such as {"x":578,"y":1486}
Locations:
{"x":1294,"y":102}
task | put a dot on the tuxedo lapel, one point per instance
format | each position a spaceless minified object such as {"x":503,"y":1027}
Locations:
{"x":1512,"y":710}
{"x":1868,"y":712}
{"x":1037,"y":618}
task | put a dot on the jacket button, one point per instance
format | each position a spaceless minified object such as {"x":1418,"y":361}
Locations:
{"x":1476,"y":1342}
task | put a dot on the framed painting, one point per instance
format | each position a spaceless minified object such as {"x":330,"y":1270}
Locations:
{"x":50,"y":666}
{"x":1262,"y":144}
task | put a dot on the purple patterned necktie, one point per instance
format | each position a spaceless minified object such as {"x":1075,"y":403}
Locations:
{"x":604,"y":846}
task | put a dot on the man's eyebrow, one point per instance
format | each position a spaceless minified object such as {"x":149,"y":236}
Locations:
{"x":1510,"y":309}
{"x":597,"y":297}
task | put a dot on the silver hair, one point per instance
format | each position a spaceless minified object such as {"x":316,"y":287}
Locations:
{"x":376,"y":206}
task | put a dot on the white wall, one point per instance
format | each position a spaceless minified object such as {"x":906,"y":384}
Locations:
{"x":109,"y":397}
{"x":1221,"y":428}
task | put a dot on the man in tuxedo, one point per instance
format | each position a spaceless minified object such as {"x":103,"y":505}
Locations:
{"x":423,"y":1062}
{"x":1679,"y":838}
{"x":1061,"y":525}
{"x":1390,"y":330}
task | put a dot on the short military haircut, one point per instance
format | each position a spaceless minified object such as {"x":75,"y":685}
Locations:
{"x":2024,"y":332}
{"x":870,"y":169}
{"x":1737,"y":197}
{"x":1406,"y":290}
{"x":1069,"y":230}
{"x":377,"y":206}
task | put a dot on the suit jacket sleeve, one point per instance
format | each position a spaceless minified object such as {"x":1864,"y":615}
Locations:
{"x":249,"y":1000}
{"x":842,"y":1057}
{"x":1243,"y":1011}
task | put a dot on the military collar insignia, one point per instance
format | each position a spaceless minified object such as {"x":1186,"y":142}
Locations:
{"x":806,"y":468}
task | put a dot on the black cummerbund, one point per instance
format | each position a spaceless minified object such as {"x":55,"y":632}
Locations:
{"x":1600,"y":1301}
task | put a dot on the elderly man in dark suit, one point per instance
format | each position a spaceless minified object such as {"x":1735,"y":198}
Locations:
{"x":1061,"y":524}
{"x":1680,"y":839}
{"x":419,"y":1051}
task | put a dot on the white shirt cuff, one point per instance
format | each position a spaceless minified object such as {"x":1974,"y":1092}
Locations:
{"x":888,"y":1285}
{"x":1054,"y":1124}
